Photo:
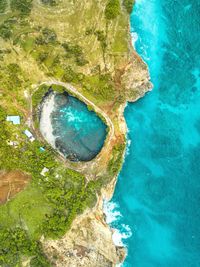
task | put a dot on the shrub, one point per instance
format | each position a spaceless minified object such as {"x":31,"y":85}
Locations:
{"x":70,"y":75}
{"x":2,"y":114}
{"x":42,"y":57}
{"x":3,"y":5}
{"x":75,"y":51}
{"x":112,"y":9}
{"x":5,"y":31}
{"x":15,"y":76}
{"x":101,"y":37}
{"x":48,"y":36}
{"x":49,"y":2}
{"x":116,"y":161}
{"x":23,"y":6}
{"x":39,"y":94}
{"x":128,"y":4}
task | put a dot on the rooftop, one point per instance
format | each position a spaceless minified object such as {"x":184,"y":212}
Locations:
{"x":29,"y":135}
{"x":13,"y":119}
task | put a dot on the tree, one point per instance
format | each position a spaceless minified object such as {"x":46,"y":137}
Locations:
{"x":2,"y":114}
{"x":49,"y":2}
{"x":3,"y":5}
{"x":23,"y":6}
{"x":112,"y":9}
{"x":5,"y":31}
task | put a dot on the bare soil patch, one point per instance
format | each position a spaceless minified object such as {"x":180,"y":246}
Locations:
{"x":11,"y":183}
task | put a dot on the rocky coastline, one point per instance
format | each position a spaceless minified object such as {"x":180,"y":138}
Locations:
{"x":89,"y":241}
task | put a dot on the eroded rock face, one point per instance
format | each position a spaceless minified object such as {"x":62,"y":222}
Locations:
{"x":88,"y":243}
{"x":135,"y":78}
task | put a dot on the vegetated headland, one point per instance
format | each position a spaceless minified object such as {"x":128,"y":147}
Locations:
{"x":56,"y":217}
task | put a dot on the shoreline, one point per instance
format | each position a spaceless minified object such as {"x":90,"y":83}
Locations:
{"x":45,"y":125}
{"x":108,"y":194}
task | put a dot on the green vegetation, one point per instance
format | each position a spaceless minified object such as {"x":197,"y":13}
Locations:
{"x":49,"y":2}
{"x":6,"y":29}
{"x":47,"y":36}
{"x":101,"y":85}
{"x":14,"y":72}
{"x":39,"y":94}
{"x":49,"y":203}
{"x":3,"y":5}
{"x":71,"y":76}
{"x":2,"y":114}
{"x":75,"y":51}
{"x":70,"y":196}
{"x":15,"y":243}
{"x":23,"y":6}
{"x":128,"y":5}
{"x":88,"y":55}
{"x":112,"y":9}
{"x":116,"y":161}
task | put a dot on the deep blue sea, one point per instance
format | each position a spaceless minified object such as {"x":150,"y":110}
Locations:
{"x":156,"y":205}
{"x":79,"y":133}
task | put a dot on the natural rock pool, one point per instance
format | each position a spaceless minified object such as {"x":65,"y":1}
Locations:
{"x":69,"y":126}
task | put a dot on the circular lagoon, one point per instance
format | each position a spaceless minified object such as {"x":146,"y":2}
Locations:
{"x":70,"y":127}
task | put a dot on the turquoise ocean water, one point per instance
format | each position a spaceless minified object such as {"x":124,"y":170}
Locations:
{"x":79,"y":133}
{"x":156,"y":205}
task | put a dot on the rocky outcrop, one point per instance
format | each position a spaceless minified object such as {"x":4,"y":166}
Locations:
{"x":135,"y":78}
{"x":88,"y":242}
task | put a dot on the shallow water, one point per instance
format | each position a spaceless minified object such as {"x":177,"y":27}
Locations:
{"x":158,"y":190}
{"x":78,"y":133}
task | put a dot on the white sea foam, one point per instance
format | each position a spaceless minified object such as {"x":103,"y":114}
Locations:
{"x":110,"y":211}
{"x":128,"y":147}
{"x":45,"y":120}
{"x":119,"y":235}
{"x":113,"y":215}
{"x":134,"y":38}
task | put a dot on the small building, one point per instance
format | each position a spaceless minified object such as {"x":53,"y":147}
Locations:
{"x":42,"y":149}
{"x":44,"y":171}
{"x":29,"y":135}
{"x":14,"y":119}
